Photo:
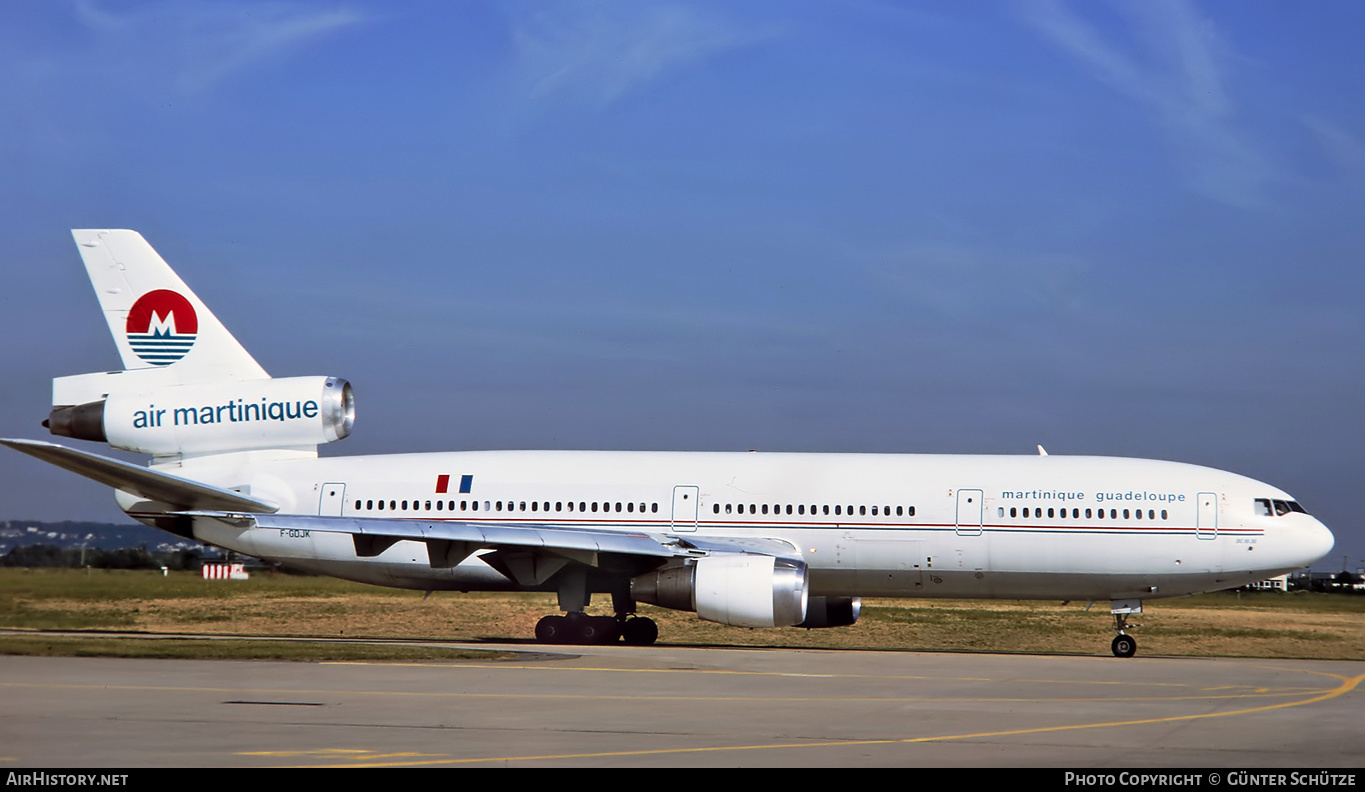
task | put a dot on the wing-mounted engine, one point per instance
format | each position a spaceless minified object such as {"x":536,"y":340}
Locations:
{"x":741,"y":589}
{"x":192,"y":420}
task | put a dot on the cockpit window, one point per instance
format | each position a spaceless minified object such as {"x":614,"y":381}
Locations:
{"x":1266,"y":507}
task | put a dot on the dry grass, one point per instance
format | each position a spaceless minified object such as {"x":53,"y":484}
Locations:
{"x":1263,"y":625}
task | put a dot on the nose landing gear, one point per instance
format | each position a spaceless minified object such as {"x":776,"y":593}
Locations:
{"x":1124,"y":645}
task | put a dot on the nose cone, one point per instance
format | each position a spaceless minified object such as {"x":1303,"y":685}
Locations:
{"x":1316,"y":543}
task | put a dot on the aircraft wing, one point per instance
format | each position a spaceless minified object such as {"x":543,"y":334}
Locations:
{"x":451,"y":541}
{"x":379,"y":533}
{"x":140,"y":481}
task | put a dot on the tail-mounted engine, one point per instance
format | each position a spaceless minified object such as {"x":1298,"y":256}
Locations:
{"x":296,"y":412}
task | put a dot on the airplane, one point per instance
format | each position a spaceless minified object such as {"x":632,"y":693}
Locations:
{"x":740,"y":538}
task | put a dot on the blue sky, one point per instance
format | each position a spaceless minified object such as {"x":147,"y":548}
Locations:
{"x":1109,"y":228}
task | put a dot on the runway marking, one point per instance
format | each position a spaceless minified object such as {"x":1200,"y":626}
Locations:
{"x":1347,"y":685}
{"x":340,"y":753}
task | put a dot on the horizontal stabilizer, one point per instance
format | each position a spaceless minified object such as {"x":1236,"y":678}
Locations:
{"x":142,"y":482}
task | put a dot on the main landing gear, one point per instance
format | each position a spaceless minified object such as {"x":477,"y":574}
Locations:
{"x":577,"y":627}
{"x":580,"y":628}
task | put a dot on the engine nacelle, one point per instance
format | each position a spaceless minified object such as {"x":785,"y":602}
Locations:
{"x":740,"y":590}
{"x":832,"y":611}
{"x":296,"y":412}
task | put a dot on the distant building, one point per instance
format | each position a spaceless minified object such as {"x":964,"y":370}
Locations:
{"x":1280,"y":583}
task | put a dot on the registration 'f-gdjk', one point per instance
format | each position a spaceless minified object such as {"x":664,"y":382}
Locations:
{"x":746,"y":539}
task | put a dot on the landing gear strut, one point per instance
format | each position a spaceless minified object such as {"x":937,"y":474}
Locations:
{"x":1124,"y":644}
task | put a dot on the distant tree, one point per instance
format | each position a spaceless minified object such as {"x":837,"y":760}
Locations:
{"x":43,"y":555}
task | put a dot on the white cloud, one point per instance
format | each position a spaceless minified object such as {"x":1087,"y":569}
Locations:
{"x":195,"y":45}
{"x":596,"y":53}
{"x":1179,"y":73}
{"x":1345,"y":148}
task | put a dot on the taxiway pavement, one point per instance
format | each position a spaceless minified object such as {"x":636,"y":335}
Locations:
{"x":684,"y":707}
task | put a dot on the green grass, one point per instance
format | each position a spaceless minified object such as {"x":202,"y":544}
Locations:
{"x":107,"y":585}
{"x":1302,"y":601}
{"x":236,"y":649}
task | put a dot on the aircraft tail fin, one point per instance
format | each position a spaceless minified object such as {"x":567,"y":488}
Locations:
{"x":156,"y":320}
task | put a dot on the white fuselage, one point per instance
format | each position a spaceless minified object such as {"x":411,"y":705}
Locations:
{"x":1028,"y":527}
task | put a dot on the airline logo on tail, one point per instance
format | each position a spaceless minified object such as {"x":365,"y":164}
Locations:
{"x":162,"y":327}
